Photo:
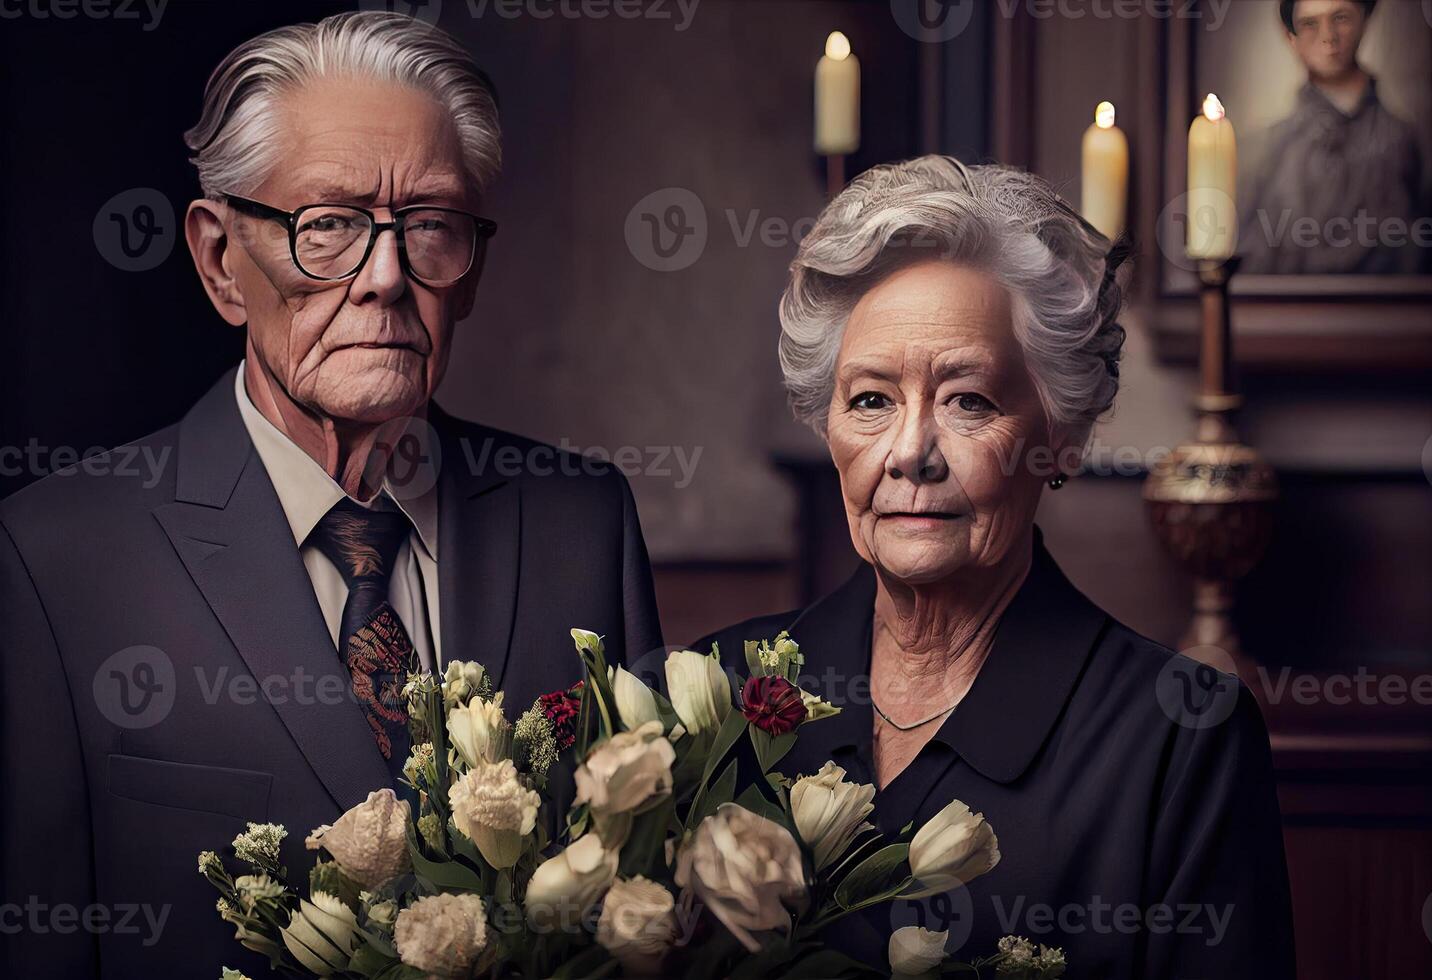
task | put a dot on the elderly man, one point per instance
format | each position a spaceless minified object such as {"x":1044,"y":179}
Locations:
{"x":224,"y":647}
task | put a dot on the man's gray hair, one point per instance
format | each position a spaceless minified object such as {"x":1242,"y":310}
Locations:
{"x":1011,"y":224}
{"x":234,"y":140}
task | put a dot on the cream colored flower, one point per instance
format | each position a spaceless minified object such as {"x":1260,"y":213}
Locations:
{"x":829,"y":812}
{"x":565,"y":886}
{"x":636,"y":702}
{"x":479,"y":731}
{"x":491,"y":806}
{"x":700,"y":690}
{"x":638,"y":925}
{"x":320,"y":934}
{"x":954,"y":847}
{"x":745,"y":869}
{"x":914,"y":951}
{"x":462,"y":681}
{"x":626,"y":774}
{"x":370,"y":841}
{"x":442,"y":935}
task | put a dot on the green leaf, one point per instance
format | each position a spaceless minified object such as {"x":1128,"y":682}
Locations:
{"x":594,"y":961}
{"x":721,"y":791}
{"x":444,"y":875}
{"x":645,"y":850}
{"x":369,"y":962}
{"x":726,"y":737}
{"x":754,"y":800}
{"x":872,"y":876}
{"x":753,"y":659}
{"x":770,"y":749}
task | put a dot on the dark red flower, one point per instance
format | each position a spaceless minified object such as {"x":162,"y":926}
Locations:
{"x":561,"y":709}
{"x":773,"y":704}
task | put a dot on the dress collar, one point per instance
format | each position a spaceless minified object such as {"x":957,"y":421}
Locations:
{"x":1040,"y":647}
{"x":306,"y":492}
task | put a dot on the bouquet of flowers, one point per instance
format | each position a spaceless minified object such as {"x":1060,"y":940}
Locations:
{"x":671,"y":860}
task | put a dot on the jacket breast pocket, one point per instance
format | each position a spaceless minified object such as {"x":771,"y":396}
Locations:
{"x":241,"y":793}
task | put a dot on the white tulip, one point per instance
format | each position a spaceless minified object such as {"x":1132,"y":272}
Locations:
{"x":479,"y":731}
{"x":566,"y":886}
{"x":830,"y":812}
{"x":461,"y":681}
{"x":320,"y":934}
{"x":636,"y":702}
{"x":914,"y":951}
{"x":495,"y":810}
{"x":700,"y":690}
{"x":954,"y":847}
{"x":745,"y":869}
{"x":638,"y":925}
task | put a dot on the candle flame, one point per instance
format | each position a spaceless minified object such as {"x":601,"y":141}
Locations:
{"x":1104,"y":115}
{"x":1212,"y":108}
{"x":837,"y":46}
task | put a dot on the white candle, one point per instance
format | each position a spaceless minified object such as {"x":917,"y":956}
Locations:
{"x":1212,"y":184}
{"x":1104,"y":188}
{"x":837,"y":98}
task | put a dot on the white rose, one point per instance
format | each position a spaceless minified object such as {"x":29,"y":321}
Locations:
{"x":954,"y":847}
{"x":628,"y":773}
{"x":700,"y":690}
{"x":479,"y":731}
{"x":370,"y":841}
{"x":638,"y":925}
{"x":565,"y":886}
{"x":745,"y":869}
{"x":492,"y":807}
{"x":829,"y":812}
{"x":914,"y":950}
{"x":442,"y":935}
{"x":636,"y":702}
{"x":320,"y":934}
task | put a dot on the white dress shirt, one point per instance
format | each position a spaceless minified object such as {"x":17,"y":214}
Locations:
{"x":306,"y":493}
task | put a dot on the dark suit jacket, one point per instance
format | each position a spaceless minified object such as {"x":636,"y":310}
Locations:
{"x":167,"y":674}
{"x":1131,"y":790}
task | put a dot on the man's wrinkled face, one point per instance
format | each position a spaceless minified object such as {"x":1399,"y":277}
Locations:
{"x":1326,"y":35}
{"x":932,"y":417}
{"x":373,"y":347}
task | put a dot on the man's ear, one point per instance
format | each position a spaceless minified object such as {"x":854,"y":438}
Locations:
{"x":209,"y":245}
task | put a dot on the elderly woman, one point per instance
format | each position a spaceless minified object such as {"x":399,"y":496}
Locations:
{"x":951,"y":332}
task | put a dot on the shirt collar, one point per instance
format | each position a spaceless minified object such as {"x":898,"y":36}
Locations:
{"x":306,"y":492}
{"x":1040,"y":647}
{"x":1310,"y":94}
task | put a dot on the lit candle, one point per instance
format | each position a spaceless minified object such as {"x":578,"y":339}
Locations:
{"x":837,"y":98}
{"x":1104,"y":189}
{"x":1212,"y":162}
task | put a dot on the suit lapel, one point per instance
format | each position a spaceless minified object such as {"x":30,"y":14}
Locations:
{"x":479,"y":547}
{"x":228,"y":528}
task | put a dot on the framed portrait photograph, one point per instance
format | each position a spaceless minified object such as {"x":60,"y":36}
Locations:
{"x":1331,"y":103}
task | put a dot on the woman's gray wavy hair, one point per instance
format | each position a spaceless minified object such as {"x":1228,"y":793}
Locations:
{"x":1058,"y":269}
{"x":234,"y":142}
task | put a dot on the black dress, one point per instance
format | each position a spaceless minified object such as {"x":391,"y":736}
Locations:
{"x":1131,"y":790}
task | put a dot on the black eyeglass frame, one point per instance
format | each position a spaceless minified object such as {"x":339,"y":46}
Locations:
{"x":485,"y":228}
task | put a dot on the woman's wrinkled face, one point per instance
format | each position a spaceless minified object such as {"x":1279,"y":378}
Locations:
{"x":931,"y":424}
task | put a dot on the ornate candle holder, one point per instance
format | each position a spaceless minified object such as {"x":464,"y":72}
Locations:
{"x":1211,"y":500}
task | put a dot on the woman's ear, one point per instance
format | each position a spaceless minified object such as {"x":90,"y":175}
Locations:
{"x":209,"y":246}
{"x":1068,"y":444}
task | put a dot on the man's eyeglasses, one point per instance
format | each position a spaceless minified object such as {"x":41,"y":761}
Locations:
{"x":330,"y":242}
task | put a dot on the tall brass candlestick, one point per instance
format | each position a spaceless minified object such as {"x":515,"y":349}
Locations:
{"x":1211,"y":500}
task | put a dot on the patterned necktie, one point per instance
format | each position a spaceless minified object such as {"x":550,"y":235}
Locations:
{"x":362,"y":544}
